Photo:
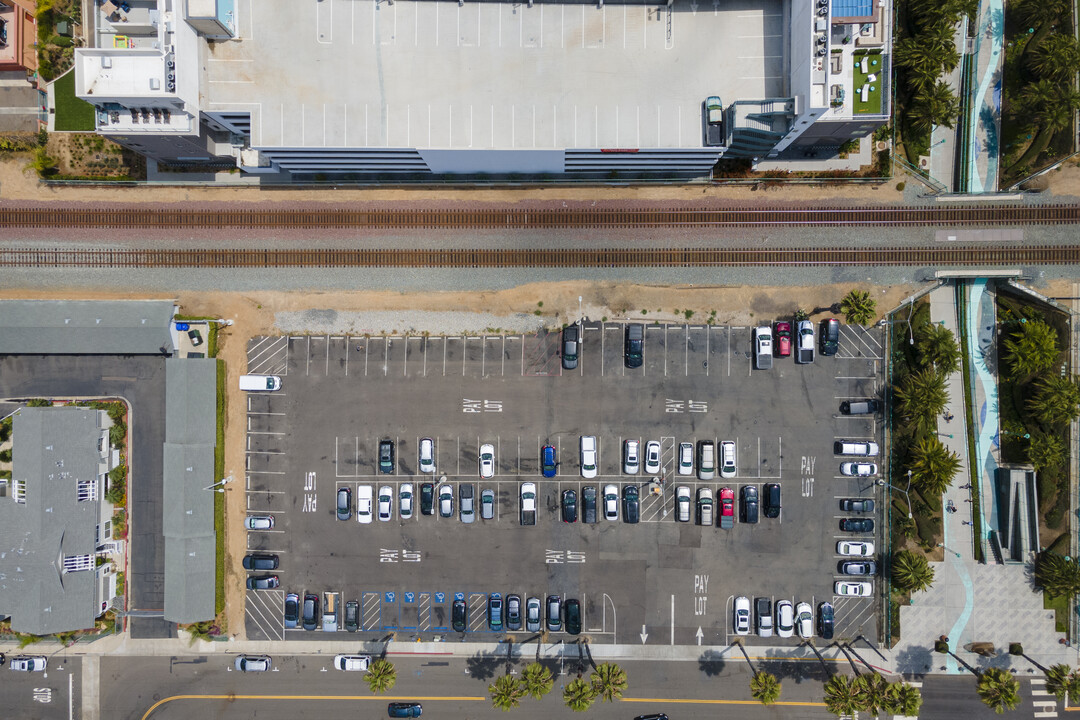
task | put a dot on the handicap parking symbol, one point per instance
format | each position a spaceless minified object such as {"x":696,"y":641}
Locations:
{"x":440,"y":597}
{"x":388,"y":597}
{"x":459,"y":596}
{"x":409,"y":597}
{"x":495,"y":595}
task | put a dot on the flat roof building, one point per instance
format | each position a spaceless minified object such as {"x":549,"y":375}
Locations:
{"x":379,"y":88}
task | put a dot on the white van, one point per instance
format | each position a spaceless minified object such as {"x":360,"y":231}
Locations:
{"x":260,"y":383}
{"x":706,"y":460}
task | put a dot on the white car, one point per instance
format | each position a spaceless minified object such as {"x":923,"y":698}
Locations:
{"x":386,"y":502}
{"x":742,"y":615}
{"x":856,"y":469}
{"x":854,"y":589}
{"x":611,"y":502}
{"x":631,"y":459}
{"x":352,"y":663}
{"x":785,"y":619}
{"x":686,"y":458}
{"x":683,"y":503}
{"x":405,"y":498}
{"x":804,"y":343}
{"x":364,"y":496}
{"x":487,"y":461}
{"x":652,"y":458}
{"x":727,"y":459}
{"x":804,"y":620}
{"x":588,"y":456}
{"x":848,"y":548}
{"x":427,"y":456}
{"x":252,"y":663}
{"x":29,"y":663}
{"x":259,"y":522}
{"x":763,"y":349}
{"x":446,"y":501}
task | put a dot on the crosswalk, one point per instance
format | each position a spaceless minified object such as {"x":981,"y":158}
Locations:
{"x":1045,"y":703}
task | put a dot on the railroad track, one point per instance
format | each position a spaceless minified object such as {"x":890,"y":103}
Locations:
{"x":526,"y":258}
{"x":519,"y":219}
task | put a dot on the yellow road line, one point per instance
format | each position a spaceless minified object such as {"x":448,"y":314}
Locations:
{"x":383,"y":698}
{"x":711,"y":701}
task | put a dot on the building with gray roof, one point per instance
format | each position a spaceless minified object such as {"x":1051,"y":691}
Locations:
{"x":81,"y":327}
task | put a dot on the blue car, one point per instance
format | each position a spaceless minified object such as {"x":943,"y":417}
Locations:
{"x":547,"y":461}
{"x":404,"y":710}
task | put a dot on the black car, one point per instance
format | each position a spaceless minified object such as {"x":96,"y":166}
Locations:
{"x":513,"y":612}
{"x":573,"y":617}
{"x":825,"y":621}
{"x":857,"y":505}
{"x":857,"y":525}
{"x":634,"y":345}
{"x":631,"y":505}
{"x":748,"y":504}
{"x":653,"y":716}
{"x":588,"y":504}
{"x":311,"y":611}
{"x":554,"y":613}
{"x":858,"y":567}
{"x":344,"y":503}
{"x":569,"y":506}
{"x":404,"y":710}
{"x":495,"y":614}
{"x":352,"y":616}
{"x":830,"y":336}
{"x":459,"y":616}
{"x":859,"y":407}
{"x":292,"y":610}
{"x":386,"y":456}
{"x":262,"y":582}
{"x":427,"y":498}
{"x":571,"y":340}
{"x":770,"y":499}
{"x":258,"y":561}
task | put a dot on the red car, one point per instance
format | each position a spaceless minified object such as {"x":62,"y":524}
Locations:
{"x":727,"y":508}
{"x":783,"y":339}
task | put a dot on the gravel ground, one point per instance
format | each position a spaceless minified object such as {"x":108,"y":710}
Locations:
{"x":406,"y":322}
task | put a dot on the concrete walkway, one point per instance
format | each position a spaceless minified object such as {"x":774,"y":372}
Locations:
{"x":984,"y":121}
{"x":944,"y":141}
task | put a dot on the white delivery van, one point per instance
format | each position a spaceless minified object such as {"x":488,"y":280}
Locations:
{"x":257,"y":383}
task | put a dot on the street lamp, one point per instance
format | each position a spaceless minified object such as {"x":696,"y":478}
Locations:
{"x":911,"y":333}
{"x":579,"y":308}
{"x":942,"y":546}
{"x":882,"y":482}
{"x":223,"y":483}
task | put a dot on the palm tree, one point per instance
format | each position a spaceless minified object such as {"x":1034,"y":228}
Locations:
{"x":999,"y":689}
{"x":608,"y":682}
{"x":938,"y":348}
{"x":1037,"y":12}
{"x":911,"y":572}
{"x":1072,"y":686}
{"x":872,"y":692}
{"x":1047,"y":451}
{"x":1055,"y":58}
{"x":904,"y":699}
{"x":537,"y":680}
{"x":1032,"y":348}
{"x":578,"y":695}
{"x":1056,"y":401}
{"x":841,"y":696}
{"x":858,"y":307}
{"x":932,"y":465}
{"x":1056,"y":574}
{"x":506,"y":692}
{"x":381,"y":676}
{"x":765,"y":687}
{"x":920,"y":397}
{"x":936,"y":106}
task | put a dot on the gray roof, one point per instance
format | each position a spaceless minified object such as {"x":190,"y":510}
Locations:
{"x":65,"y":327}
{"x":188,"y":507}
{"x":53,"y":449}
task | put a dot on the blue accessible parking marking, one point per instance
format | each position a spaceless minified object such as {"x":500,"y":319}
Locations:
{"x":390,"y":619}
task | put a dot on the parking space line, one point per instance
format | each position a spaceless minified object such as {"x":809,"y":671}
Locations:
{"x":371,"y":609}
{"x":423,"y":611}
{"x":367,"y":342}
{"x":729,"y":350}
{"x":477,"y":612}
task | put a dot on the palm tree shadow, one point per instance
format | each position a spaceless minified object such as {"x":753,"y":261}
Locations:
{"x":484,"y":666}
{"x":711,"y":663}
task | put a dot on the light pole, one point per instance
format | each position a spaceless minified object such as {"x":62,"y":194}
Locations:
{"x":579,"y":308}
{"x":882,"y":482}
{"x":942,"y":546}
{"x":911,"y":333}
{"x":223,"y":483}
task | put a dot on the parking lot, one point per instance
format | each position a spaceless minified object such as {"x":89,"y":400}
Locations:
{"x":657,"y":582}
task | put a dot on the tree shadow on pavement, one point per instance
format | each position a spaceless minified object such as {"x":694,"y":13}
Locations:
{"x":914,"y":660}
{"x":795,"y":667}
{"x":711,"y":663}
{"x":483,"y":666}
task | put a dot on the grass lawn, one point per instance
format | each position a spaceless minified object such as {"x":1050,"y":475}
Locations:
{"x":71,"y":112}
{"x":872,"y":106}
{"x":1060,"y":606}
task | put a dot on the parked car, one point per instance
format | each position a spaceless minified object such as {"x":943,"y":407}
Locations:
{"x":352,"y":663}
{"x":857,"y":505}
{"x":487,"y":504}
{"x":785,"y":619}
{"x":386,"y":456}
{"x":532,"y":615}
{"x":825,"y":621}
{"x":634,"y":345}
{"x":465,"y":503}
{"x":830,"y":336}
{"x":652,"y":458}
{"x":727,"y":459}
{"x":847,"y":548}
{"x":783,"y":339}
{"x":588,"y":504}
{"x":859,"y":407}
{"x":292,"y":611}
{"x":427,"y":498}
{"x":763,"y":347}
{"x":763,"y":610}
{"x":704,"y":506}
{"x":853,"y":589}
{"x":487,"y":461}
{"x":804,"y":620}
{"x":554,"y":613}
{"x":527,"y":504}
{"x":459,"y":616}
{"x":742,"y":615}
{"x":363,"y":503}
{"x":495,"y":613}
{"x":804,"y":350}
{"x":386,"y":503}
{"x":573,"y":617}
{"x":29,"y":663}
{"x":770,"y":499}
{"x":588,"y":456}
{"x":259,"y":522}
{"x":513,"y":612}
{"x":404,"y":710}
{"x":352,"y":616}
{"x":706,"y":460}
{"x":446,"y":501}
{"x":858,"y":567}
{"x":748,"y":504}
{"x":611,"y":502}
{"x":312,"y":617}
{"x":857,"y":525}
{"x":631,"y":504}
{"x":344,"y":503}
{"x":253,"y":663}
{"x":569,"y":506}
{"x":682,"y":503}
{"x":851,"y":447}
{"x":858,"y":469}
{"x":426,"y":455}
{"x":548,"y":464}
{"x":262,"y":582}
{"x":260,"y":561}
{"x":727,"y":508}
{"x":571,"y":339}
{"x":631,"y":459}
